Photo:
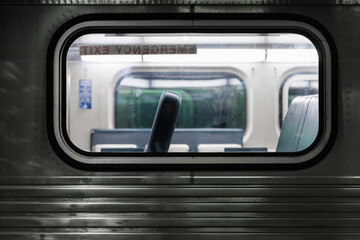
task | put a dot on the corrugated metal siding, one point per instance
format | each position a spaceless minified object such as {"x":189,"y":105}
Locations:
{"x":138,"y":207}
{"x":182,"y":2}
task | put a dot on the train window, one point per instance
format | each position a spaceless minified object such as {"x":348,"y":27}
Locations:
{"x":209,"y":100}
{"x":302,"y":88}
{"x":295,"y":85}
{"x":189,"y":93}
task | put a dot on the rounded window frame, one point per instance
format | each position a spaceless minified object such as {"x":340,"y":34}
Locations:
{"x":259,"y":160}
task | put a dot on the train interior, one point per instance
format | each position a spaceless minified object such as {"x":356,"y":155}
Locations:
{"x":238,"y":92}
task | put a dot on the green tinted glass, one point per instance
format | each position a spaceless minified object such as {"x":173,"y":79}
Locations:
{"x":220,"y":106}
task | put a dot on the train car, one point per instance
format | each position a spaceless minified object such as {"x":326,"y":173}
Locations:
{"x":151,"y":119}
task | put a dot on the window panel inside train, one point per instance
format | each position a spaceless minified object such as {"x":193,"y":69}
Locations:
{"x":192,"y":93}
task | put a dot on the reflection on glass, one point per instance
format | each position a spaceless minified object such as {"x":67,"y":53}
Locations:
{"x":208,"y":101}
{"x":229,"y":85}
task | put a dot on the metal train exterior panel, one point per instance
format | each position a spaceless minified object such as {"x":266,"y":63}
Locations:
{"x":44,"y":196}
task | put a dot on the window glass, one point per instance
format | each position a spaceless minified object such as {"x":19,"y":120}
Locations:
{"x":190,"y":92}
{"x":302,"y":88}
{"x":302,"y":83}
{"x":209,"y":100}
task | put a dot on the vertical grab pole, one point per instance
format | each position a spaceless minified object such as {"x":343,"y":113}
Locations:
{"x":164,"y":122}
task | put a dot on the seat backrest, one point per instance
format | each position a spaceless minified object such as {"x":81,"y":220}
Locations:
{"x":301,"y":124}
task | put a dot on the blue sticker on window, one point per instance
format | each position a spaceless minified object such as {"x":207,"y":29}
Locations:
{"x":85,"y":93}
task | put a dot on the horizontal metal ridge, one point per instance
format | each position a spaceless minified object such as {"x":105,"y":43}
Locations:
{"x":89,"y":222}
{"x":102,"y":180}
{"x":178,"y":178}
{"x":180,"y":199}
{"x":75,"y":207}
{"x":214,"y":215}
{"x":89,"y":191}
{"x":180,"y":230}
{"x":180,"y":236}
{"x":165,"y":186}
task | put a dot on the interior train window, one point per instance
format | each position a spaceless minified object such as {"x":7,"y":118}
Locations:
{"x":295,"y":85}
{"x":136,"y":105}
{"x":191,"y":94}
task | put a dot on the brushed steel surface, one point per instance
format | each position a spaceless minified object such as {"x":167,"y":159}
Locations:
{"x":44,"y":198}
{"x":263,"y":210}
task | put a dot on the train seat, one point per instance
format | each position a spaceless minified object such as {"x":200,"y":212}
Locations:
{"x":113,"y":147}
{"x":216,"y":147}
{"x":184,"y":139}
{"x":301,"y":124}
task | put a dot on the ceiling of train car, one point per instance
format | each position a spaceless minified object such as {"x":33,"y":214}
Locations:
{"x":265,"y":46}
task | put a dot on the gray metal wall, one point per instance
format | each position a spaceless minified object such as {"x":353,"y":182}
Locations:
{"x":42,"y":197}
